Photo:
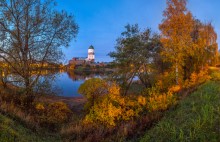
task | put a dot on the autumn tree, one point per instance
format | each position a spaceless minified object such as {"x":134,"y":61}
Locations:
{"x":176,"y":30}
{"x":92,"y":89}
{"x":218,"y":58}
{"x":207,"y":43}
{"x":204,"y":39}
{"x":135,"y":56}
{"x":123,"y":56}
{"x":32,"y":31}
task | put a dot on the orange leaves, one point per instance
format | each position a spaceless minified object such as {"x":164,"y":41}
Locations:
{"x":114,"y":89}
{"x":142,"y":100}
{"x":196,"y":79}
{"x":175,"y":88}
{"x":188,"y":43}
{"x":160,"y":102}
{"x":108,"y":110}
{"x":39,"y":107}
{"x":128,"y":114}
{"x":105,"y":113}
{"x":112,"y":108}
{"x":165,"y":82}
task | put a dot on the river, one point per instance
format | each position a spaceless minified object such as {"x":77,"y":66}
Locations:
{"x":69,"y":83}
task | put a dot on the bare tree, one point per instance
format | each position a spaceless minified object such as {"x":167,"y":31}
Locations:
{"x":32,"y":31}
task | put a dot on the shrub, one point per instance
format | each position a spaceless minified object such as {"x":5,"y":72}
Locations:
{"x":165,"y":81}
{"x":53,"y":114}
{"x":142,"y":100}
{"x":174,"y":89}
{"x":58,"y":112}
{"x":215,"y":75}
{"x":158,"y":102}
{"x":40,"y":107}
{"x":92,"y":89}
{"x":113,"y":108}
{"x":196,"y":79}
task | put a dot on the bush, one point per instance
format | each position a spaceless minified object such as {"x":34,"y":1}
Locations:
{"x":157,"y":102}
{"x":165,"y":81}
{"x":52,"y":115}
{"x":113,"y":108}
{"x":215,"y":76}
{"x":58,"y":112}
{"x":92,"y":89}
{"x":197,"y":79}
{"x":175,"y":89}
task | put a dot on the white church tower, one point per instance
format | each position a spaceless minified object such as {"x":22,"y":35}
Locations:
{"x":91,"y":54}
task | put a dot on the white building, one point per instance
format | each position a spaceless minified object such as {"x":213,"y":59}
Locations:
{"x":91,"y":54}
{"x":82,"y":60}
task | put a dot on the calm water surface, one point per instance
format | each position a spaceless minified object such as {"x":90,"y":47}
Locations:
{"x":68,"y":83}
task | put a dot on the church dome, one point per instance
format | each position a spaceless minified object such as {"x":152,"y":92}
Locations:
{"x":91,"y":47}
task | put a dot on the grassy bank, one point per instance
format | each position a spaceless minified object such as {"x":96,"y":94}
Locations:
{"x":196,"y":118}
{"x":11,"y":131}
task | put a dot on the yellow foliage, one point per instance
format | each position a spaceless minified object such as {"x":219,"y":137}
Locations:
{"x":175,"y":88}
{"x":113,"y":108}
{"x":40,"y":107}
{"x":193,"y":78}
{"x":114,"y":89}
{"x":196,"y":79}
{"x":142,"y":100}
{"x":105,"y":113}
{"x":161,"y":101}
{"x":166,"y":81}
{"x":215,"y":75}
{"x":54,"y":113}
{"x":159,"y":84}
{"x":128,"y":114}
{"x":58,"y":112}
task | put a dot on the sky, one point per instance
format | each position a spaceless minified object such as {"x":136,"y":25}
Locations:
{"x":101,"y":22}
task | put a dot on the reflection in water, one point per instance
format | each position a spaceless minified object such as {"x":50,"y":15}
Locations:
{"x":69,"y":82}
{"x":57,"y":82}
{"x":84,"y":76}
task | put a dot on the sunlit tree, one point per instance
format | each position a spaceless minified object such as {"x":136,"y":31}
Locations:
{"x":93,"y":89}
{"x":176,"y":29}
{"x":32,"y":31}
{"x":206,"y":49}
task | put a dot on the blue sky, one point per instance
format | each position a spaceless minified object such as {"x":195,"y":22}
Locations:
{"x":102,"y":21}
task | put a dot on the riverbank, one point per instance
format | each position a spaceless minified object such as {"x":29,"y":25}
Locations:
{"x":196,"y":114}
{"x":74,"y":103}
{"x":196,"y":117}
{"x":14,"y":131}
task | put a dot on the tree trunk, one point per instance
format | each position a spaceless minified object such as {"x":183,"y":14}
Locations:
{"x":177,"y":74}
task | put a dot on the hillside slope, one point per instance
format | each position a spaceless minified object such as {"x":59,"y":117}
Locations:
{"x":196,"y":118}
{"x":11,"y":131}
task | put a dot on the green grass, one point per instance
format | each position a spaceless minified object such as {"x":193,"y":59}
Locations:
{"x":196,"y":118}
{"x":11,"y":131}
